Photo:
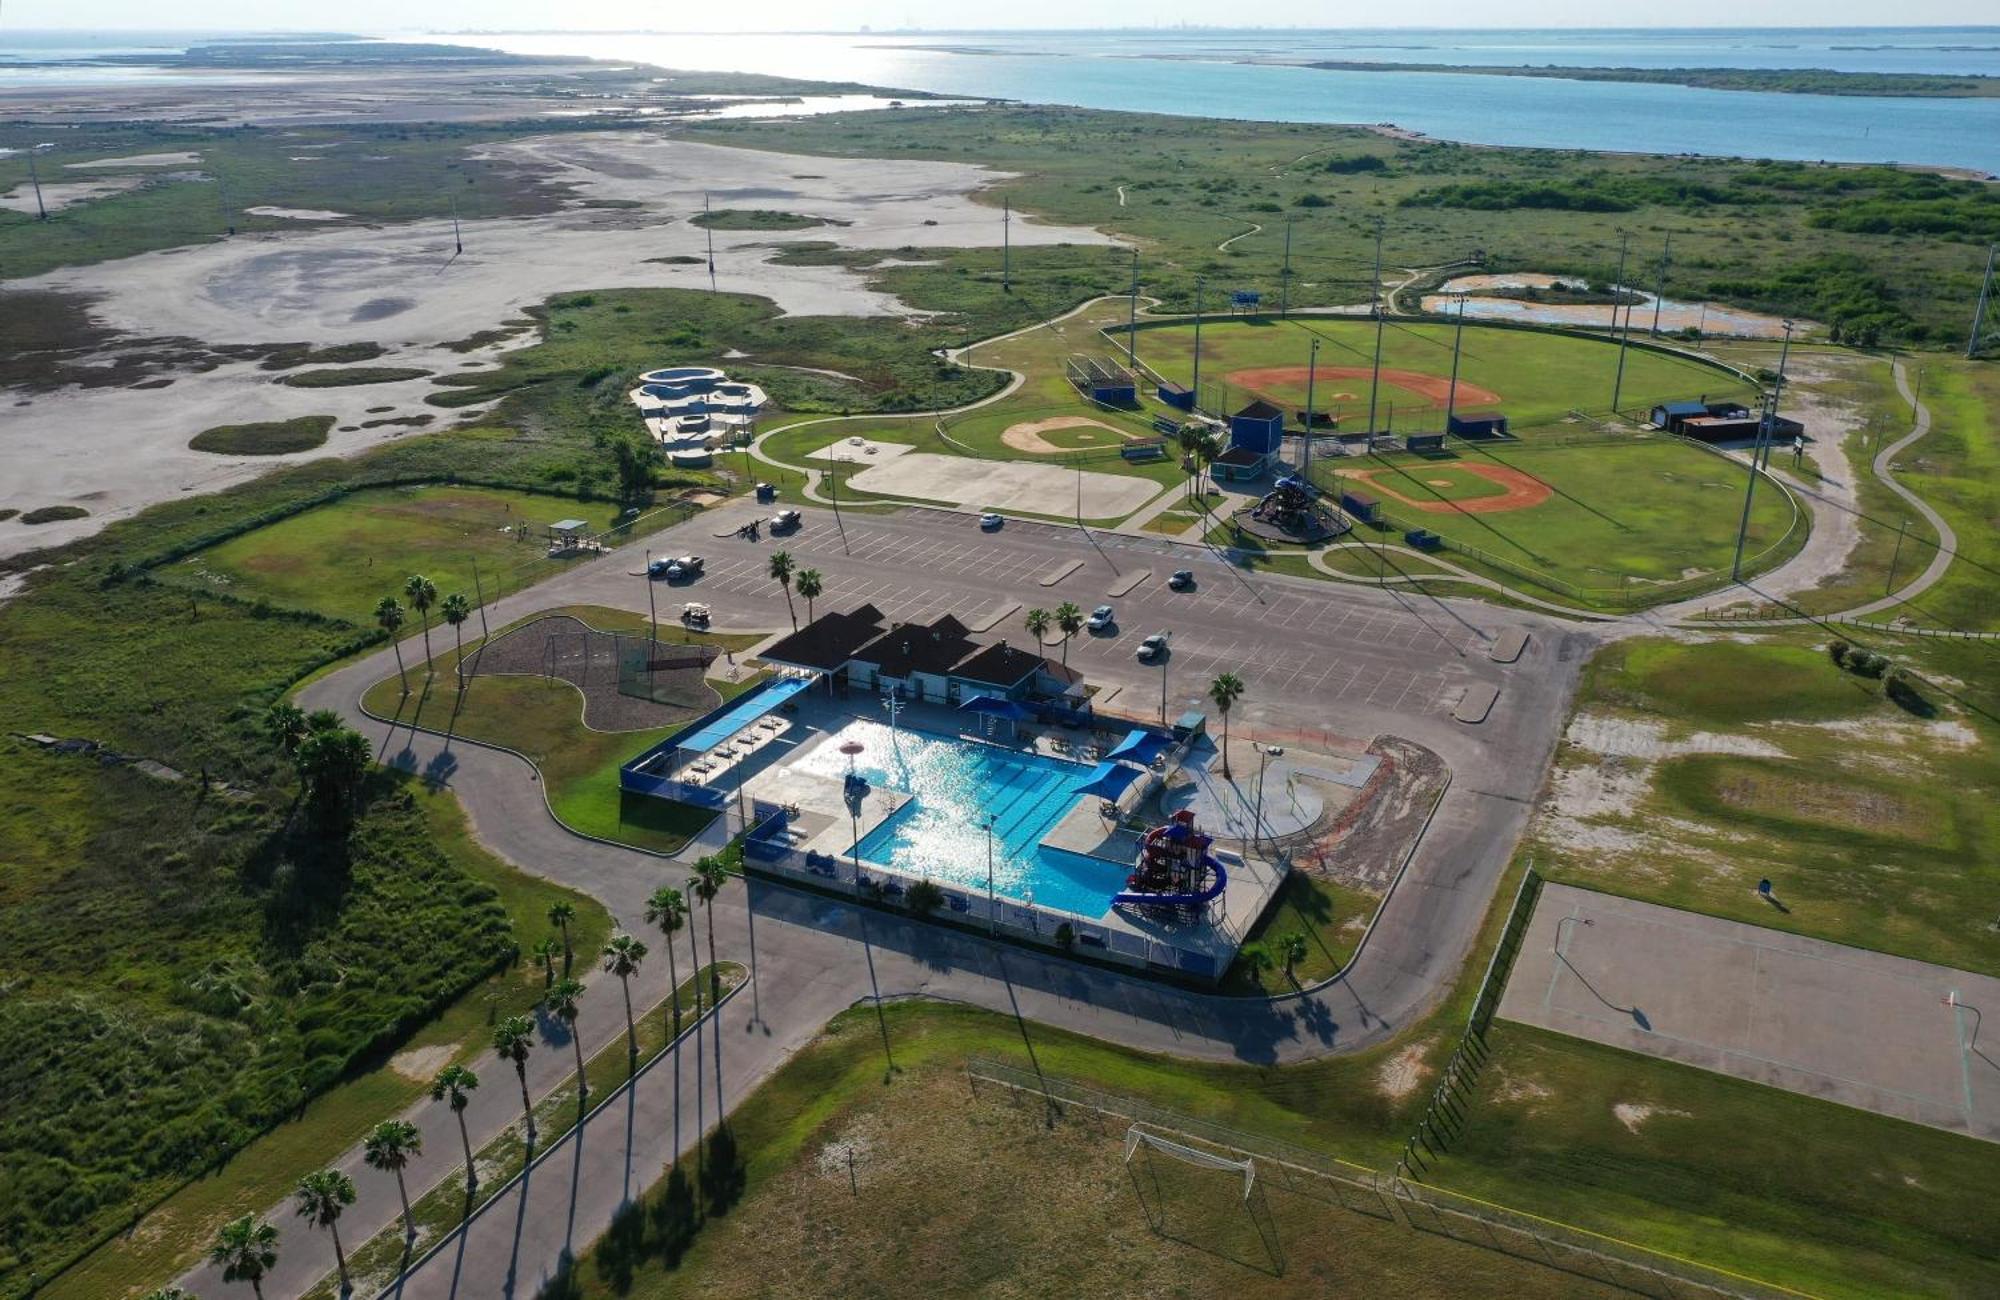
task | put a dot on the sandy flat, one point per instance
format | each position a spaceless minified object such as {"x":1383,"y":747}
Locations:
{"x":63,"y":194}
{"x":296,"y":214}
{"x":142,"y":160}
{"x":401,"y":286}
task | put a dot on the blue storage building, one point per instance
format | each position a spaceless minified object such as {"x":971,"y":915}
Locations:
{"x":1258,"y":427}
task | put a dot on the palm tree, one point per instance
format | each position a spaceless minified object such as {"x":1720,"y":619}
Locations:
{"x":1293,"y":948}
{"x":707,"y":883}
{"x":389,"y":617}
{"x":693,"y":887}
{"x":390,"y":1148}
{"x":1255,"y":959}
{"x":456,"y":609}
{"x":1037,"y":622}
{"x":781,"y":573}
{"x":247,"y":1248}
{"x":422,"y":594}
{"x":319,"y":1199}
{"x":1070,"y":619}
{"x":285,"y":724}
{"x":564,"y":1001}
{"x":546,"y":949}
{"x":332,"y":765}
{"x":667,"y":909}
{"x":811,"y":584}
{"x":513,"y":1040}
{"x":621,"y":958}
{"x":561,"y":913}
{"x":457,"y":1083}
{"x":1225,"y":690}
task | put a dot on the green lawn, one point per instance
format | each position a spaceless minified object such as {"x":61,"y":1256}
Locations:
{"x":339,"y":559}
{"x":1447,"y":481}
{"x":1332,"y":918}
{"x":1873,"y":824}
{"x":1538,"y":377}
{"x":270,"y":438}
{"x":1620,"y":517}
{"x":172,"y":1236}
{"x":542,"y":718}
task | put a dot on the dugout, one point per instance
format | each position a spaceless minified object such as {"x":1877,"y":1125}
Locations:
{"x":1102,"y":380}
{"x":1477,"y":426}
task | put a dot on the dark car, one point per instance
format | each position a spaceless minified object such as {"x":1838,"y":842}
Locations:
{"x":1182,"y":579}
{"x":785,"y":520}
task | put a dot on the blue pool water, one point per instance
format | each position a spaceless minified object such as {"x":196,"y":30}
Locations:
{"x":954,"y":786}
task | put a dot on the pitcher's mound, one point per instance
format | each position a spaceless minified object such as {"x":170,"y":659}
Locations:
{"x":1027,"y":436}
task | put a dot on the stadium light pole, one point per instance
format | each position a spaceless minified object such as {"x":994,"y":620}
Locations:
{"x":1979,"y":313}
{"x":1451,"y":393}
{"x":1617,"y":281}
{"x":1375,"y":372}
{"x":1006,"y":246}
{"x":1285,"y":275}
{"x":1756,"y":455}
{"x":1306,"y":441}
{"x":42,"y":212}
{"x":1660,"y":294}
{"x":709,"y":230}
{"x":1132,"y":315}
{"x":1197,"y":344}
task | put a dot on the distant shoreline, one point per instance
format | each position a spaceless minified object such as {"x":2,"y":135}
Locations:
{"x":1787,"y":81}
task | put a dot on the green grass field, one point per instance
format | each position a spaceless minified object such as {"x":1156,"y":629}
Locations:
{"x":1731,"y":763}
{"x":339,"y":559}
{"x":542,"y":718}
{"x":1539,"y":378}
{"x":1446,"y":481}
{"x":268,"y":438}
{"x":1619,"y":518}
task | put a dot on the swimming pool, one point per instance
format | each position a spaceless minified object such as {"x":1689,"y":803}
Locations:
{"x":954,"y":786}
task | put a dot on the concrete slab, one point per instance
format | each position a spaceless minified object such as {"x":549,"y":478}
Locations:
{"x":1061,"y":571}
{"x":1476,"y":703}
{"x":1507,"y":647}
{"x":1861,"y":1028}
{"x":1127,"y":581}
{"x":1007,"y":485}
{"x":860,"y":451}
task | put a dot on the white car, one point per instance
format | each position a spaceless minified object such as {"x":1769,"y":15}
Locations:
{"x":1100,"y":618}
{"x":1152,"y":647}
{"x":990,"y":522}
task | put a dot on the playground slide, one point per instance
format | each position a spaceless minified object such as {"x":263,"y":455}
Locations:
{"x":1209,"y":895}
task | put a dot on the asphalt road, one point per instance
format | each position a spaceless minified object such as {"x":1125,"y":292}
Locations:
{"x":1315,"y":657}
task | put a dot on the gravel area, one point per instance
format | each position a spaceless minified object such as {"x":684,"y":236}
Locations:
{"x":572,"y":651}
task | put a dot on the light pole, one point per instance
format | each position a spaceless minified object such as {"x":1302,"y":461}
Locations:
{"x":1163,"y":686}
{"x":992,"y":902}
{"x":1265,"y":753}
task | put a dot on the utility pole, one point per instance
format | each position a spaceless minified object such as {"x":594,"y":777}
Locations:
{"x":1285,"y":275}
{"x":1006,"y":246}
{"x":1451,"y":394}
{"x":1197,"y":343}
{"x":42,"y":213}
{"x":457,"y":238}
{"x":1306,"y":442}
{"x":1618,"y":287}
{"x":710,"y":230}
{"x":1757,"y":452}
{"x":1660,"y":294}
{"x":1979,"y":313}
{"x":222,"y":203}
{"x":1375,"y":375}
{"x":1132,"y":315}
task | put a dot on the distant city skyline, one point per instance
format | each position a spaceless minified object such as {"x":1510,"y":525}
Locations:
{"x":777,"y":16}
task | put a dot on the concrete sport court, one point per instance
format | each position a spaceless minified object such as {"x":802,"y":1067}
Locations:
{"x":1844,"y":1024}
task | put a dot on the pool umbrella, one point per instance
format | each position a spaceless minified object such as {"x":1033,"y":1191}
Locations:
{"x":1141,"y":747}
{"x":851,"y":748}
{"x":1108,"y":780}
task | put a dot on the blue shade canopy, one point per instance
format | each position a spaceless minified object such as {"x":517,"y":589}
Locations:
{"x":1108,"y":780}
{"x":1141,"y":747}
{"x":747,"y":710}
{"x":997,"y":706}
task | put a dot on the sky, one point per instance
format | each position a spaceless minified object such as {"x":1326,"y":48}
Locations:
{"x":371,"y":16}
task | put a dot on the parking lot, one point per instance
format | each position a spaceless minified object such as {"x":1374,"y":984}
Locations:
{"x":1312,"y":654}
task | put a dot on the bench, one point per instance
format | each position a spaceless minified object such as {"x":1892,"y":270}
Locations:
{"x":1424,"y":539}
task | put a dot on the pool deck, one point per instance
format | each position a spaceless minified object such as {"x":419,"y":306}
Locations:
{"x":828,"y":827}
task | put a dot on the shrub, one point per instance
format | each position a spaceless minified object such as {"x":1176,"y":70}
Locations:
{"x":924,"y":897}
{"x":1867,"y":663}
{"x":1900,"y":685}
{"x":1836,"y":650}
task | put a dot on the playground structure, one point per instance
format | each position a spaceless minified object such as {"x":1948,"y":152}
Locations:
{"x":1175,"y":868}
{"x":695,"y":408}
{"x":1294,"y":511}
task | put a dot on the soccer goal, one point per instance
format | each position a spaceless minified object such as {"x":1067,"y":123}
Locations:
{"x":1207,"y":1200}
